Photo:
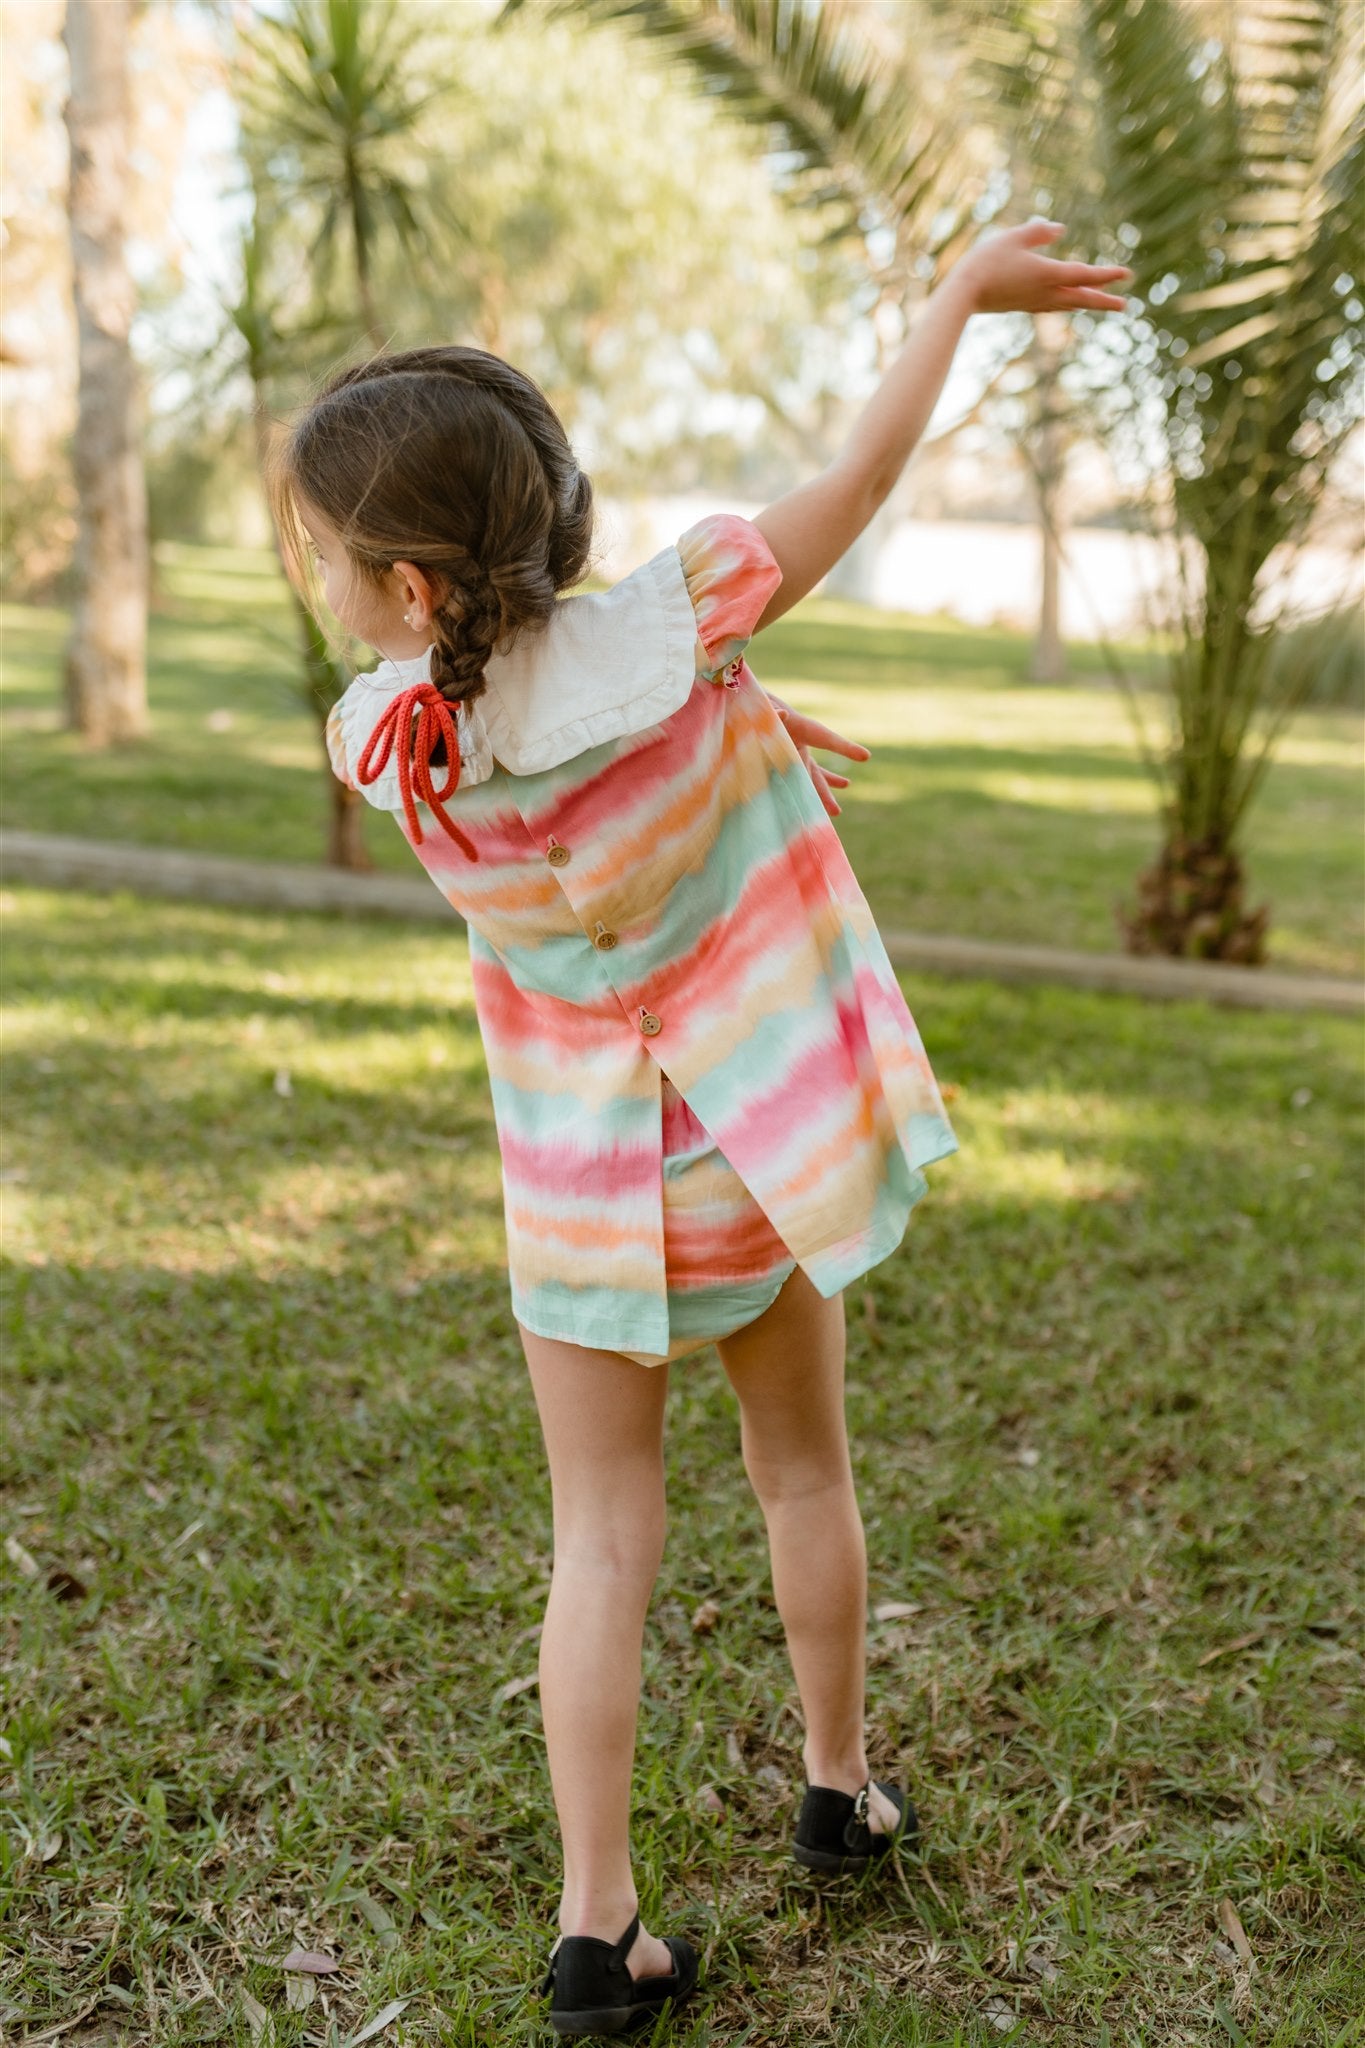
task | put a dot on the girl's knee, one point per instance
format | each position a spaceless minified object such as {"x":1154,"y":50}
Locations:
{"x":823,"y":1476}
{"x":625,"y":1547}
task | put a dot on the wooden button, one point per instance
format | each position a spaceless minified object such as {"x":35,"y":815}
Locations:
{"x":558,"y":856}
{"x":650,"y":1024}
{"x":604,"y":940}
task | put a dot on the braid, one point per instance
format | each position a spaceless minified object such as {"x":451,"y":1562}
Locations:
{"x":466,"y":629}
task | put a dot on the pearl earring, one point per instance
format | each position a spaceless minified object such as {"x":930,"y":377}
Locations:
{"x":407,"y":618}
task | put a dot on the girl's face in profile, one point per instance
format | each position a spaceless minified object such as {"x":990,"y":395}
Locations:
{"x":372,"y":612}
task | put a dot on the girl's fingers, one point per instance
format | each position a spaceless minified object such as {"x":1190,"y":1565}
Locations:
{"x":1087,"y":273}
{"x":1100,"y":302}
{"x":822,"y":788}
{"x":808,"y":732}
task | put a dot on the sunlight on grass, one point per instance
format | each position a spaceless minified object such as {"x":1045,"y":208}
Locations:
{"x":268,"y":1414}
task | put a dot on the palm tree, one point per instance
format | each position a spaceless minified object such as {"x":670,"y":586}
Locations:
{"x":268,"y":353}
{"x":1234,"y":145}
{"x":106,"y":660}
{"x":334,"y":111}
{"x":335,"y":101}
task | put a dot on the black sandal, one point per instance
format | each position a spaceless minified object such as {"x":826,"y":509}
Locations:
{"x":592,"y":1992}
{"x":833,"y":1835}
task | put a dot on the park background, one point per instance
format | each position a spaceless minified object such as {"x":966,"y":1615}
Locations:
{"x":276,"y":1527}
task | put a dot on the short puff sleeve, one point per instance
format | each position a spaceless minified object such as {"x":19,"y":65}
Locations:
{"x":731,"y":573}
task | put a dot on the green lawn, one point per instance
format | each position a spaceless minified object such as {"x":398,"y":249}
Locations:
{"x":273,"y":1464}
{"x":992,"y":807}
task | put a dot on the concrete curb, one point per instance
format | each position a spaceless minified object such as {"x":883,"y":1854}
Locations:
{"x":102,"y":866}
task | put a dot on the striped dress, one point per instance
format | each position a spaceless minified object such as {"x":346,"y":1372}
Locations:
{"x":703,"y":1069}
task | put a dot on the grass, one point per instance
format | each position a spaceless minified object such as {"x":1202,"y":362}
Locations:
{"x":992,"y":807}
{"x":279,"y":1531}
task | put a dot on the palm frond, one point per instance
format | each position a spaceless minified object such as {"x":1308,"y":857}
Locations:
{"x":846,"y":112}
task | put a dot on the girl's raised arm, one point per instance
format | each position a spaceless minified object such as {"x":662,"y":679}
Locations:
{"x":812,"y":526}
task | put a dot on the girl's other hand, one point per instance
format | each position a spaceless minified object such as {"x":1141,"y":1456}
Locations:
{"x":806,"y":733}
{"x":1008,"y":273}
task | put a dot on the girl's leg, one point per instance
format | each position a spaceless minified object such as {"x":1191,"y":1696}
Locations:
{"x":787,"y":1368}
{"x":602,"y":1417}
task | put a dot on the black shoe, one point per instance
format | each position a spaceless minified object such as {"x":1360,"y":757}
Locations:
{"x":832,"y":1832}
{"x":592,"y":1992}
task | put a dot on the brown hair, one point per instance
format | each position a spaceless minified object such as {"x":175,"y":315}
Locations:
{"x":449,"y":458}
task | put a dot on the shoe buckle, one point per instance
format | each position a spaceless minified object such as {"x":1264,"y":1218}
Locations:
{"x":860,"y":1804}
{"x":548,"y":1986}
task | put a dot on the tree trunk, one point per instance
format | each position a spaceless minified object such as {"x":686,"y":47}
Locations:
{"x":106,"y":660}
{"x":346,"y":846}
{"x":1049,"y":468}
{"x":324,"y":678}
{"x":1191,"y":904}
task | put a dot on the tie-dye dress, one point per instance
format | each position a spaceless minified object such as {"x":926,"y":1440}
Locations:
{"x":703,"y":1070}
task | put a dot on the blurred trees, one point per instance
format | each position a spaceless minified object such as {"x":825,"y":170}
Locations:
{"x":106,"y":674}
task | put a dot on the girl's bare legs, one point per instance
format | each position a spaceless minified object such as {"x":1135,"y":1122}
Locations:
{"x":602,"y":1417}
{"x":788,"y":1370}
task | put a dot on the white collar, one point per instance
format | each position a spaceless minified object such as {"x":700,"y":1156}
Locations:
{"x":607,"y":663}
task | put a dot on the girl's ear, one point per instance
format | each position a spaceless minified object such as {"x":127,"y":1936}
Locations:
{"x":420,"y":594}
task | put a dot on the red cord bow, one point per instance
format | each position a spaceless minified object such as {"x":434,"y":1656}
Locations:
{"x":435,"y":720}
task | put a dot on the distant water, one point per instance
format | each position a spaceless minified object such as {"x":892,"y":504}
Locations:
{"x":983,"y":573}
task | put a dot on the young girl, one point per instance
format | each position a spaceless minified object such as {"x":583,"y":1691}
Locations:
{"x":713,"y":1106}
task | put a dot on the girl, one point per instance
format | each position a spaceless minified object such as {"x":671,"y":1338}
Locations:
{"x":713,"y":1106}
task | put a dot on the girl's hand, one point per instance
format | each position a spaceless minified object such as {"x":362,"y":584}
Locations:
{"x":1007,"y":273}
{"x":806,"y":733}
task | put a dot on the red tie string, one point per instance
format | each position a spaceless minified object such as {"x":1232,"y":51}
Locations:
{"x":435,"y":720}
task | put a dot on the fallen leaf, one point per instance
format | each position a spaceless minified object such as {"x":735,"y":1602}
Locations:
{"x":1028,"y":1457}
{"x":311,"y":1961}
{"x":733,"y":1753}
{"x":1000,"y":2013}
{"x":1231,"y":1649}
{"x":282,"y":1084}
{"x":772,"y":1777}
{"x":705,"y":1618}
{"x":709,"y":1800}
{"x":514,"y":1688}
{"x":300,"y":1992}
{"x":379,"y":1918}
{"x":19,"y":1557}
{"x":1041,"y":1965}
{"x":47,"y":1846}
{"x":896,"y":1610}
{"x":381,"y":2020}
{"x":1301,"y":1098}
{"x":154,"y":1494}
{"x":257,"y":2019}
{"x":1232,"y":1926}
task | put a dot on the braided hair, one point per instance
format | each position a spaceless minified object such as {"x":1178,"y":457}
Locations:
{"x":449,"y":458}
